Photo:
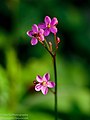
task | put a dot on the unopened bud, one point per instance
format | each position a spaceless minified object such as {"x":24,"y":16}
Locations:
{"x":35,"y":82}
{"x":58,"y":40}
{"x":50,"y":46}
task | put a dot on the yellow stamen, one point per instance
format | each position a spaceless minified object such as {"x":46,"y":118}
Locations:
{"x":44,"y":83}
{"x":48,"y":25}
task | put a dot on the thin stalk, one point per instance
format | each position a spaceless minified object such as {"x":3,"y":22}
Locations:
{"x":48,"y":50}
{"x":55,"y":75}
{"x":46,"y":43}
{"x":55,"y":39}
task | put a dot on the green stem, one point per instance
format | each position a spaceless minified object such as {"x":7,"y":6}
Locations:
{"x":48,"y":50}
{"x":55,"y":75}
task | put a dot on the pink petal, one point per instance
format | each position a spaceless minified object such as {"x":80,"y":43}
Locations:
{"x":44,"y":90}
{"x":39,"y":78}
{"x":53,"y":29}
{"x":30,"y":33}
{"x":46,"y":77}
{"x":41,"y":37}
{"x":50,"y":84}
{"x":41,"y":31}
{"x":38,"y":87}
{"x":47,"y":32}
{"x":54,"y":21}
{"x":42,"y":25}
{"x":34,"y":41}
{"x":47,"y":20}
{"x":35,"y":28}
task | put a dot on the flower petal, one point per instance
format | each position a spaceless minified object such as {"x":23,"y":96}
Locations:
{"x":39,"y":78}
{"x":47,"y":20}
{"x":41,"y":31}
{"x":34,"y":41}
{"x":42,"y":26}
{"x":41,"y":37}
{"x":46,"y":77}
{"x":54,"y":21}
{"x":53,"y":29}
{"x":30,"y":33}
{"x":35,"y":28}
{"x":38,"y":87}
{"x":50,"y":84}
{"x":47,"y":32}
{"x":44,"y":90}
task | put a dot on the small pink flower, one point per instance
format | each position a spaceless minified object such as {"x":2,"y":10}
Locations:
{"x":49,"y":25}
{"x":36,"y":34}
{"x":44,"y":83}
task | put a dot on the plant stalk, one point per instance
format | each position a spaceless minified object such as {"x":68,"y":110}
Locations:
{"x":55,"y":75}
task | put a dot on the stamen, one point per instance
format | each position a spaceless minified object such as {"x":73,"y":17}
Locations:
{"x":44,"y":83}
{"x":48,"y":25}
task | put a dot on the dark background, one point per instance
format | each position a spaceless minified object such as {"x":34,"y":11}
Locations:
{"x":20,"y":62}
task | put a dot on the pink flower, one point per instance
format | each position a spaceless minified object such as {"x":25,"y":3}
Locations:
{"x":36,"y":34}
{"x":44,"y":83}
{"x":49,"y":25}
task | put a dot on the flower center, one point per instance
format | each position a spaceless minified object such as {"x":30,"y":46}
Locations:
{"x":35,"y":35}
{"x":44,"y":83}
{"x":48,"y":25}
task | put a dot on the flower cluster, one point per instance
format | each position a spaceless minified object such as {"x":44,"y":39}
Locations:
{"x":38,"y":33}
{"x":41,"y":30}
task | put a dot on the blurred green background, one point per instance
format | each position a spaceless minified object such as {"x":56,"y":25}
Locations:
{"x":20,"y":62}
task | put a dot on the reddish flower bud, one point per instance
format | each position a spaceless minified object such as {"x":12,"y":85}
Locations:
{"x":58,"y":40}
{"x":35,"y":82}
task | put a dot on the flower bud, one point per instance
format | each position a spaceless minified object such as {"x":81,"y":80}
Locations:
{"x":58,"y":40}
{"x":50,"y":46}
{"x":35,"y":82}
